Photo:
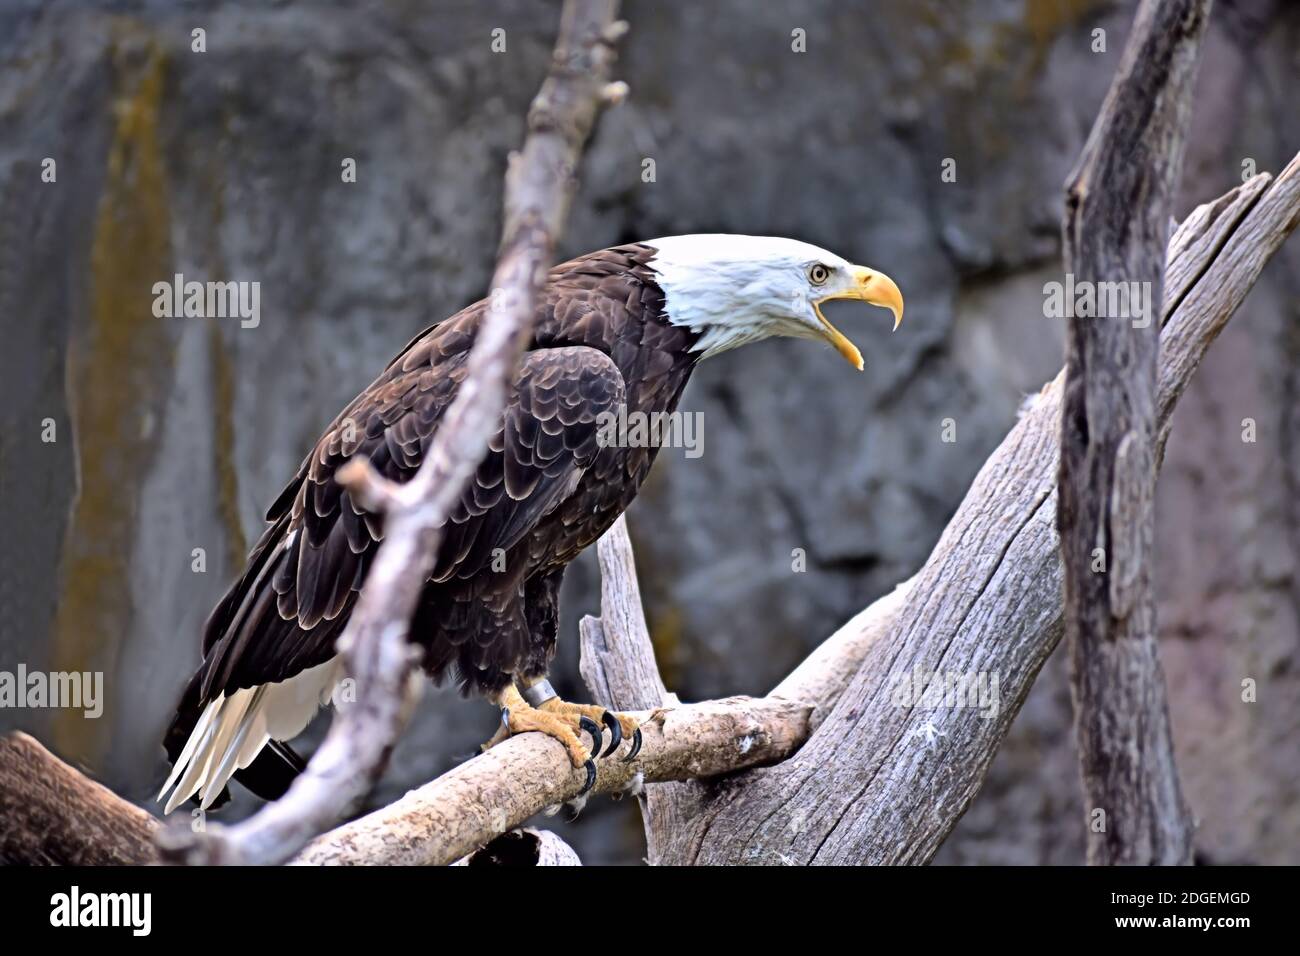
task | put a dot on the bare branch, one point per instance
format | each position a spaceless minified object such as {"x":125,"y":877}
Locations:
{"x":499,"y":789}
{"x":1118,"y":203}
{"x":55,"y":815}
{"x":539,"y":186}
{"x":618,"y":660}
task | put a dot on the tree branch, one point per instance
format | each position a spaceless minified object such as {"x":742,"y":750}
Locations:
{"x":540,"y":183}
{"x":499,"y":789}
{"x":1118,"y":203}
{"x":618,"y":664}
{"x":55,"y":815}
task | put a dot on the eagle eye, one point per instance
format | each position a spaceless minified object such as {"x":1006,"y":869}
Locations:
{"x":818,"y":273}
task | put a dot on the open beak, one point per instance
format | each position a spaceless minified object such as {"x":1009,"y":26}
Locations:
{"x":874,"y":288}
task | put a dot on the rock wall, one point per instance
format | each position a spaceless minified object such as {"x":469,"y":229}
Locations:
{"x":174,"y":434}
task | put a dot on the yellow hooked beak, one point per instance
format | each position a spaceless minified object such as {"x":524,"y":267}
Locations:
{"x":874,"y":288}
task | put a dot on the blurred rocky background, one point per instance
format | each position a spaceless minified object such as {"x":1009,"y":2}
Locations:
{"x":175,"y":434}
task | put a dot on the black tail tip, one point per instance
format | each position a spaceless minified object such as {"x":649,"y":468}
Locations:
{"x":269,"y":776}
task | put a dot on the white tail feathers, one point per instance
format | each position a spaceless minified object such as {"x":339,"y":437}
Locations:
{"x":233,"y":729}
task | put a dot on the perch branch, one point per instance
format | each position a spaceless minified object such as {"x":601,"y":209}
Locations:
{"x":499,"y":789}
{"x":1118,"y":202}
{"x":539,"y":185}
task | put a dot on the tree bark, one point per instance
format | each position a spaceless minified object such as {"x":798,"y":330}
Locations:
{"x":54,"y":815}
{"x":619,"y":667}
{"x":1118,"y":204}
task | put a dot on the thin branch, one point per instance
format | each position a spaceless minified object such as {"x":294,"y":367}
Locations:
{"x":1119,"y":200}
{"x":540,"y":183}
{"x":617,"y":660}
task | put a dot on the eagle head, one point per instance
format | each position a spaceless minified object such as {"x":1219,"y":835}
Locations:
{"x":736,"y":289}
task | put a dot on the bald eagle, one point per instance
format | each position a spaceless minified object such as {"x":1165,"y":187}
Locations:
{"x":617,"y":331}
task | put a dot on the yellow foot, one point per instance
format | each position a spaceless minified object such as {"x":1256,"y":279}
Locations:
{"x":620,"y":726}
{"x":518,"y":716}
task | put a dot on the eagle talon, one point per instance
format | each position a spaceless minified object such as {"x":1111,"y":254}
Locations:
{"x":590,"y":766}
{"x":615,"y":732}
{"x":621,"y":726}
{"x":636,"y":746}
{"x":593,"y":730}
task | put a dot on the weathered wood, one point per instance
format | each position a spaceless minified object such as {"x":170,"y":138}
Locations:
{"x":496,"y":791}
{"x":882,"y":782}
{"x":1118,"y":204}
{"x":53,"y":814}
{"x":618,"y":664}
{"x":540,"y":183}
{"x":617,"y":660}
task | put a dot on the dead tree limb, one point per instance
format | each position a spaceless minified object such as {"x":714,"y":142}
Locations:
{"x":618,"y":661}
{"x":618,"y":664}
{"x":1118,"y":203}
{"x":52,"y":814}
{"x":497,"y":790}
{"x":540,"y":183}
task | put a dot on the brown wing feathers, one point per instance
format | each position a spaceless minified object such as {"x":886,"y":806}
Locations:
{"x":286,"y":611}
